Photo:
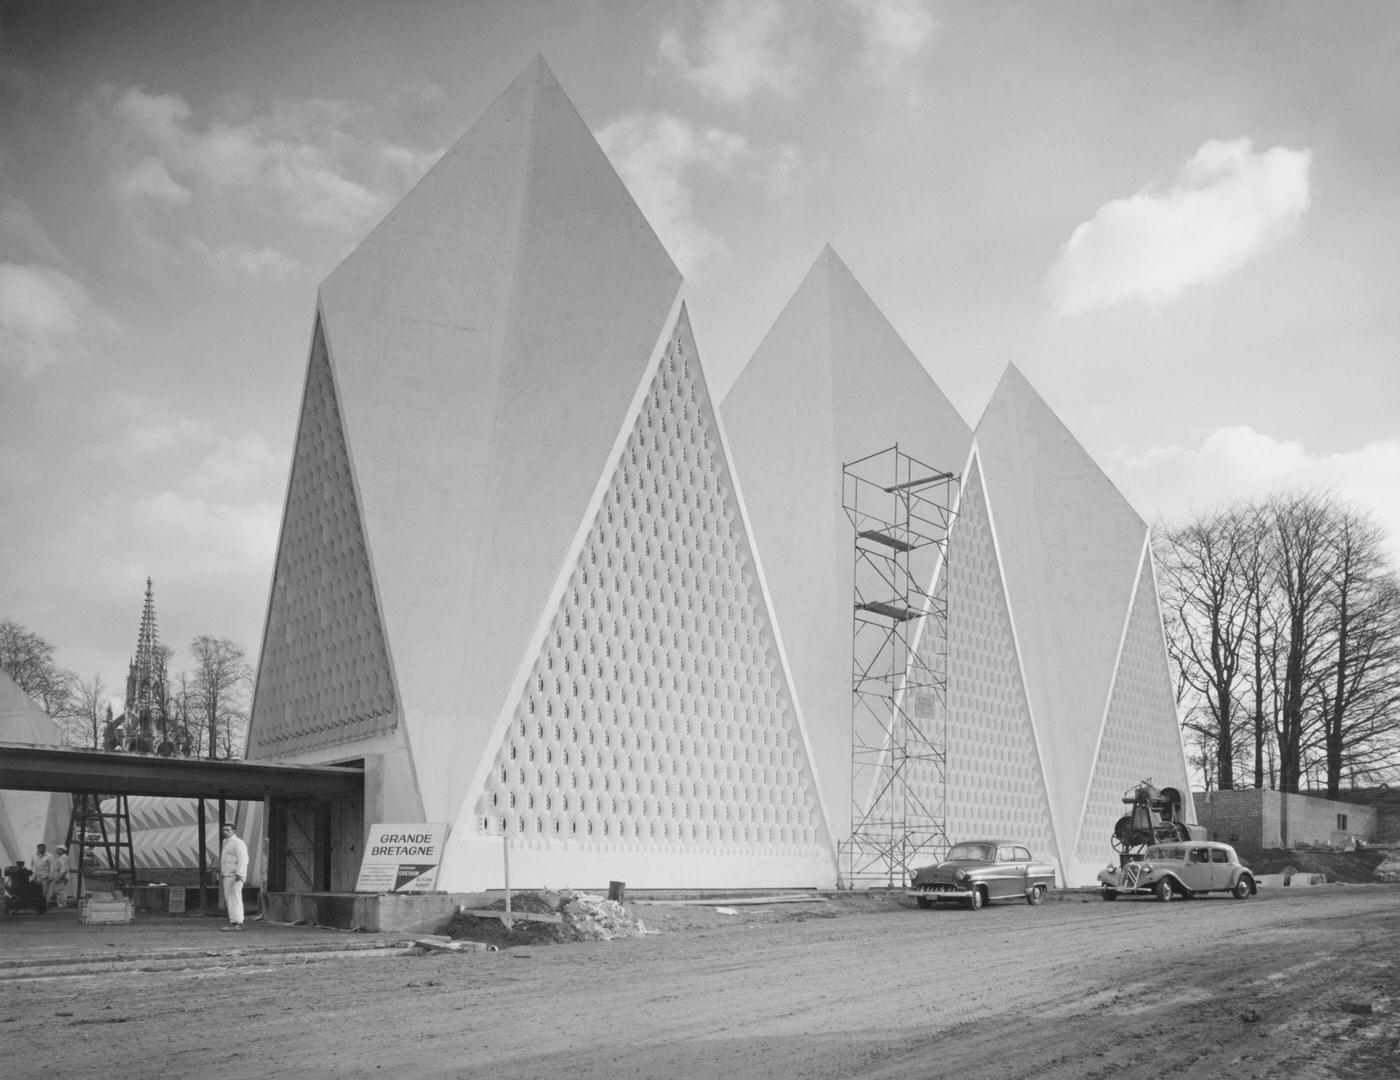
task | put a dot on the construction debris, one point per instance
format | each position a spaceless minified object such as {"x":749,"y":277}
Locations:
{"x":547,"y":916}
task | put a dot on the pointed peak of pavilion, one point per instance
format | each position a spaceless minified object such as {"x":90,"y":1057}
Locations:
{"x":1018,"y":416}
{"x":527,"y":178}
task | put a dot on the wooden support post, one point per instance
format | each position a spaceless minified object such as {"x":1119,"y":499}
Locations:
{"x":203,"y":858}
{"x":505,"y":855}
{"x":264,"y":856}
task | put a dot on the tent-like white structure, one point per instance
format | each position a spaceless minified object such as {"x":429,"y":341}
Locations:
{"x":515,"y":575}
{"x":27,"y":817}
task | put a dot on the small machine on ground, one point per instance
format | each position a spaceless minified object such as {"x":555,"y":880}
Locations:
{"x":22,"y":892}
{"x":1155,"y":818}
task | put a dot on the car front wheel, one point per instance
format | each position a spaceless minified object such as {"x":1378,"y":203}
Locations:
{"x":924,"y":902}
{"x":1242,"y":889}
{"x":975,"y":900}
{"x":1110,"y":894}
{"x":1164,"y":891}
{"x":1036,"y":896}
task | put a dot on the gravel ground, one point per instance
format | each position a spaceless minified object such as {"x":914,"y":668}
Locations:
{"x":1294,"y":983}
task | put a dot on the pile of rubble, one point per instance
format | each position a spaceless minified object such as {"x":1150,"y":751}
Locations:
{"x":1389,"y":869}
{"x":546,"y":916}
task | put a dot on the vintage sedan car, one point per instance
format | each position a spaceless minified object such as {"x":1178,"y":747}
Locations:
{"x":977,"y":872}
{"x":1185,"y":869}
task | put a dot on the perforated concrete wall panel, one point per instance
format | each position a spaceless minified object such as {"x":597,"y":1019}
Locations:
{"x":325,"y":678}
{"x":655,"y":734}
{"x":1141,"y":739}
{"x":995,"y":768}
{"x":831,"y":382}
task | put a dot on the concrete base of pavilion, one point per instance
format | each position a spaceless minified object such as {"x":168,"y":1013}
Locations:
{"x":420,"y":913}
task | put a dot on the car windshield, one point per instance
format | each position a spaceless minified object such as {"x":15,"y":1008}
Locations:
{"x":970,"y":853}
{"x":1163,"y":853}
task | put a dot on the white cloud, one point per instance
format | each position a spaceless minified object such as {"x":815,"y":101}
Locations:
{"x":1175,"y":483}
{"x":192,"y":537}
{"x":207,"y":461}
{"x":244,"y":261}
{"x":261,"y":196}
{"x":46,"y":316}
{"x":657,"y":154}
{"x":149,"y":179}
{"x":1228,"y":204}
{"x":149,"y":431}
{"x":295,"y":159}
{"x":745,"y":46}
{"x":240,"y":463}
{"x":23,"y":237}
{"x":895,"y":32}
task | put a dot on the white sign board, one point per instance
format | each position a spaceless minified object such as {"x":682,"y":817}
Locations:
{"x":402,"y":858}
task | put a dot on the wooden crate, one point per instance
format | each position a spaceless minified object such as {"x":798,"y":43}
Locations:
{"x":105,"y":911}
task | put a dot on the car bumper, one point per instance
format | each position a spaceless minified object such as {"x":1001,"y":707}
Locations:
{"x":942,"y":892}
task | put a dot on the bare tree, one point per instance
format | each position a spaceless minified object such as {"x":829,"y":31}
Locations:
{"x":90,"y":714}
{"x":1262,"y":645}
{"x":29,"y":660}
{"x":218,"y":698}
{"x":1360,"y":686}
{"x":1283,"y":621}
{"x":1206,"y":594}
{"x":1305,"y":528}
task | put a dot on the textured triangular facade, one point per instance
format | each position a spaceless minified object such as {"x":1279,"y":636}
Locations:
{"x":1141,"y":739}
{"x":832,"y":382}
{"x":656,"y":730}
{"x":325,"y":677}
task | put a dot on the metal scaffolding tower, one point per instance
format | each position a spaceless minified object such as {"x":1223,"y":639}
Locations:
{"x":901,"y":510}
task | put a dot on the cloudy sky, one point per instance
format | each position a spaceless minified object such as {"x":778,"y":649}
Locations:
{"x":1181,"y":221}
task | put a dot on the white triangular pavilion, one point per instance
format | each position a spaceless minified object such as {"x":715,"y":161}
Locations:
{"x":478,"y":367}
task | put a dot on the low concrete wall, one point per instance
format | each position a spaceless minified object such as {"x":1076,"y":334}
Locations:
{"x":1279,"y":881}
{"x":1255,"y":819}
{"x":419,"y":913}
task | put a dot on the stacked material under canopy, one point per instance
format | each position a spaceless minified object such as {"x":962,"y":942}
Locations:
{"x":515,"y":576}
{"x":165,"y":833}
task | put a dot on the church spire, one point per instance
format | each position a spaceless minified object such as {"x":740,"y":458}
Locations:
{"x":144,"y":720}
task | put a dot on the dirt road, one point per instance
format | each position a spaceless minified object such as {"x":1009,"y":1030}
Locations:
{"x":1292,"y":984}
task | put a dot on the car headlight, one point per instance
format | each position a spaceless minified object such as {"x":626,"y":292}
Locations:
{"x":960,"y":875}
{"x":1146,"y":868}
